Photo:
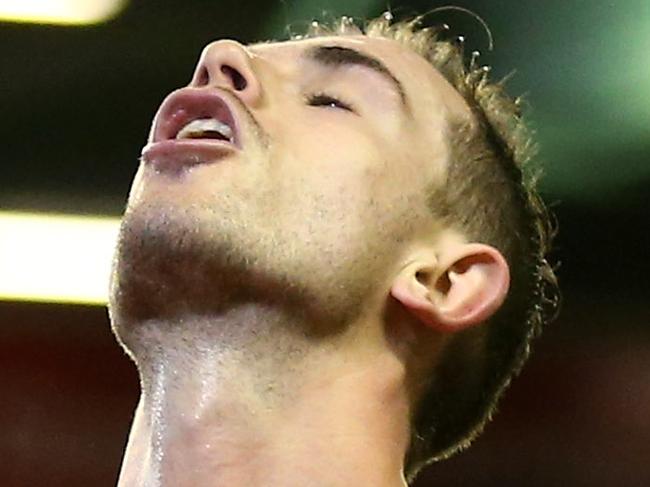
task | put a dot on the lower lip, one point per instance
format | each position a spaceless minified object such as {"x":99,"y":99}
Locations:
{"x":174,"y":156}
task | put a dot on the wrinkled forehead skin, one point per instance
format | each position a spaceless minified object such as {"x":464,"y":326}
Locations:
{"x":428,"y":92}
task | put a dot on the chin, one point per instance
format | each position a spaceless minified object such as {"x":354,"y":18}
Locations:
{"x":158,"y":249}
{"x":171,"y":259}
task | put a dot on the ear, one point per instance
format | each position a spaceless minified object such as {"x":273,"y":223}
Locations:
{"x":460,"y":287}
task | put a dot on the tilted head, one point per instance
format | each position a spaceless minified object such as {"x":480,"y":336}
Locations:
{"x":369,"y":186}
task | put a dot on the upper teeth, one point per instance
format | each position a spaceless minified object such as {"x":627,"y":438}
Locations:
{"x":200,"y":126}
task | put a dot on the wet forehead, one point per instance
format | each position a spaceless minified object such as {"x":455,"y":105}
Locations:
{"x":424,"y":85}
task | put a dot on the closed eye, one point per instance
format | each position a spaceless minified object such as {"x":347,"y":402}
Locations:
{"x":325,"y":100}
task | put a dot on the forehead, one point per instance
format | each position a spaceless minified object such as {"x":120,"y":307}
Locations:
{"x":423,"y":84}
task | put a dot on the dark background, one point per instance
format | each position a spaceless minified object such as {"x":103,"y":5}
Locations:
{"x":75,"y":107}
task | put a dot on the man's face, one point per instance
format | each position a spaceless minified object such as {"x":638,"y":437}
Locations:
{"x":338,"y":139}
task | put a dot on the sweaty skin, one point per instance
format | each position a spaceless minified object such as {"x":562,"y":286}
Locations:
{"x":254,"y":292}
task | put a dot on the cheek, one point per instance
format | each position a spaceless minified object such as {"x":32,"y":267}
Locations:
{"x":335,"y":148}
{"x":332,"y":161}
{"x":336,"y":181}
{"x":339,"y":174}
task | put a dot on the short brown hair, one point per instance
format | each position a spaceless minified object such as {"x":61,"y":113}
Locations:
{"x":490,"y":195}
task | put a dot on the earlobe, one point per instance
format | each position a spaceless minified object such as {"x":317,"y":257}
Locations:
{"x":467,"y":285}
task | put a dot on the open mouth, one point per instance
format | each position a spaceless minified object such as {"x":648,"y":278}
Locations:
{"x":193,"y":126}
{"x":192,"y":113}
{"x":206,"y":128}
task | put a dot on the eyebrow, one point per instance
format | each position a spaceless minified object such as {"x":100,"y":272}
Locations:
{"x":344,"y":56}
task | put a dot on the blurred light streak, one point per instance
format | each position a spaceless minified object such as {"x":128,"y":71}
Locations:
{"x":65,"y":12}
{"x":56,"y":258}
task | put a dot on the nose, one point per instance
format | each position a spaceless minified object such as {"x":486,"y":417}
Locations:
{"x":227,"y":64}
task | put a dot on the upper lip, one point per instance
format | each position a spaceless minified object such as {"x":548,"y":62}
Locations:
{"x":187,"y":104}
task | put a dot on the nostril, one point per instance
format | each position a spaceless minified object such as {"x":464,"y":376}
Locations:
{"x":238,"y":81}
{"x":203,"y":77}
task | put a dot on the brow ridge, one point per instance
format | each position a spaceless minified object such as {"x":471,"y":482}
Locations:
{"x":345,"y":56}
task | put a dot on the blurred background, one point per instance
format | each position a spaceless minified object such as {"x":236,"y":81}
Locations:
{"x":76,"y":102}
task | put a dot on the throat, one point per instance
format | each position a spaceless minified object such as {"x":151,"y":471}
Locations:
{"x":268,"y":412}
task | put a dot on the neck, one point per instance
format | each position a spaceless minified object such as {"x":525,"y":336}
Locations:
{"x":246,"y":414}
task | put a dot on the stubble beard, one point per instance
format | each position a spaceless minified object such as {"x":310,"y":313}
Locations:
{"x":173,"y":261}
{"x":172,"y":264}
{"x":180,"y":265}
